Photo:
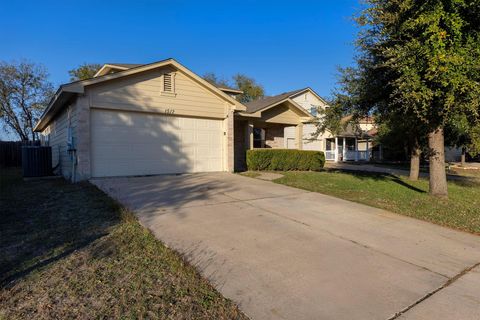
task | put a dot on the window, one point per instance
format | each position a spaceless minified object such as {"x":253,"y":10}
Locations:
{"x":258,"y":137}
{"x":169,"y":83}
{"x":314,"y":110}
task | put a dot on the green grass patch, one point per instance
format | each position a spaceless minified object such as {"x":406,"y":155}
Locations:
{"x":69,"y":251}
{"x":397,"y":194}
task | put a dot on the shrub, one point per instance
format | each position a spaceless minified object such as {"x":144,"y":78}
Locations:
{"x":285,"y":160}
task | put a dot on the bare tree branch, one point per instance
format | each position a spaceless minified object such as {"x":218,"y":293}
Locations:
{"x":24,"y":94}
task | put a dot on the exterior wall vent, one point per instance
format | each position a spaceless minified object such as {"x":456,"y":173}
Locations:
{"x":167,"y":82}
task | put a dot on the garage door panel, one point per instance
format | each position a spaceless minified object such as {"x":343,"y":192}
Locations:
{"x":129,"y":143}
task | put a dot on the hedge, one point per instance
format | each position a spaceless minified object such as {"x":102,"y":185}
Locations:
{"x":285,"y":160}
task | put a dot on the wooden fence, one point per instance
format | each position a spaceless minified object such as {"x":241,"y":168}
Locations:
{"x":11,"y":152}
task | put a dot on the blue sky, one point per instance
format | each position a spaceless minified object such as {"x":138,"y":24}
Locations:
{"x":283,"y":45}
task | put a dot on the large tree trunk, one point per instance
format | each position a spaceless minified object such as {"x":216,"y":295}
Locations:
{"x":438,"y":176}
{"x":415,"y":163}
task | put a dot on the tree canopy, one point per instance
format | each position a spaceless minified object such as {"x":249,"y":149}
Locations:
{"x":251,"y":89}
{"x":418,"y":60}
{"x":84,"y":71}
{"x":24,"y":94}
{"x":215,"y":80}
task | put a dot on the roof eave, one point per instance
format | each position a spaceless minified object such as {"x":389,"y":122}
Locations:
{"x":78,"y":87}
{"x":296,"y":105}
{"x":230,"y":90}
{"x":60,"y":98}
{"x":312,"y":91}
{"x":102,"y":71}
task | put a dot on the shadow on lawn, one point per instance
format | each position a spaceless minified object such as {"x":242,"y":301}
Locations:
{"x":45,"y":221}
{"x":378,"y":176}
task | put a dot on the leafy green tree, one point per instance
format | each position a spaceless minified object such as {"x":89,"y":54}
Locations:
{"x":24,"y":93}
{"x":330,"y":120}
{"x":251,"y":89}
{"x":84,"y":71}
{"x":420,"y":58}
{"x":398,"y":134}
{"x":358,"y":95}
{"x":461,"y":133}
{"x":215,"y":80}
{"x":474,"y":145}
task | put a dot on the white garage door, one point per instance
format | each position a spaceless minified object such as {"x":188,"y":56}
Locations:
{"x":131,"y":143}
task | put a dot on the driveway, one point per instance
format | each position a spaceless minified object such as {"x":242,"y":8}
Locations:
{"x":285,"y":253}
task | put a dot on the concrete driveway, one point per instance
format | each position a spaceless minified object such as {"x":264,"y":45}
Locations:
{"x":284,"y":253}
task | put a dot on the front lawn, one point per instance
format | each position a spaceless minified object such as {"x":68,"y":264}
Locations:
{"x":69,"y":251}
{"x":397,"y":194}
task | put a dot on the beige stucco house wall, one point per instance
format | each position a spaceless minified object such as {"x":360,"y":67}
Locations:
{"x":161,"y":118}
{"x":56,"y":134}
{"x":136,"y":122}
{"x":312,"y":103}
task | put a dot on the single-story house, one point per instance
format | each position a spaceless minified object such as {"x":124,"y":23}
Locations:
{"x":161,"y":118}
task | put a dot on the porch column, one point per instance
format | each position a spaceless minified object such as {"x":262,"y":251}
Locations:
{"x":336,"y":149}
{"x":368,"y":152}
{"x":356,"y":149}
{"x":250,"y":135}
{"x":344,"y":150}
{"x":299,"y":136}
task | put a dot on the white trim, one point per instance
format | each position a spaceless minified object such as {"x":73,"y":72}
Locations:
{"x":311,"y":91}
{"x":78,"y":87}
{"x":308,"y":116}
{"x":108,"y":66}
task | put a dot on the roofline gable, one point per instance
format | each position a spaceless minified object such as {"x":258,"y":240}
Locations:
{"x":78,"y":87}
{"x":107,"y":66}
{"x":273,"y":105}
{"x":311,"y":91}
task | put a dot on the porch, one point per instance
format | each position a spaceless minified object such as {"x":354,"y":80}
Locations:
{"x":268,"y":123}
{"x":345,"y":148}
{"x":253,"y":134}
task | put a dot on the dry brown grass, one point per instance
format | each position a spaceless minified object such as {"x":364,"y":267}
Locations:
{"x":70,"y":252}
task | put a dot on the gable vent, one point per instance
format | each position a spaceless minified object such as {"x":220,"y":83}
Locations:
{"x":167,"y":82}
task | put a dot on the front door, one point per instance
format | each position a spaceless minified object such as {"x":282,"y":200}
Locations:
{"x":258,"y":138}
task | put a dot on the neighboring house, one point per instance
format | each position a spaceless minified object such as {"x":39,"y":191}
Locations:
{"x":161,"y":118}
{"x":354,"y":143}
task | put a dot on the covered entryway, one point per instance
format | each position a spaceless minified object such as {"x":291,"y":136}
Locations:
{"x":127,"y":143}
{"x":277,"y":125}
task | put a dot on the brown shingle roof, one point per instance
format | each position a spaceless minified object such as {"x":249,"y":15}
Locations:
{"x":262,"y":103}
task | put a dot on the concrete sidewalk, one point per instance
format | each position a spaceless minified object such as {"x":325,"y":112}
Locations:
{"x":285,"y":253}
